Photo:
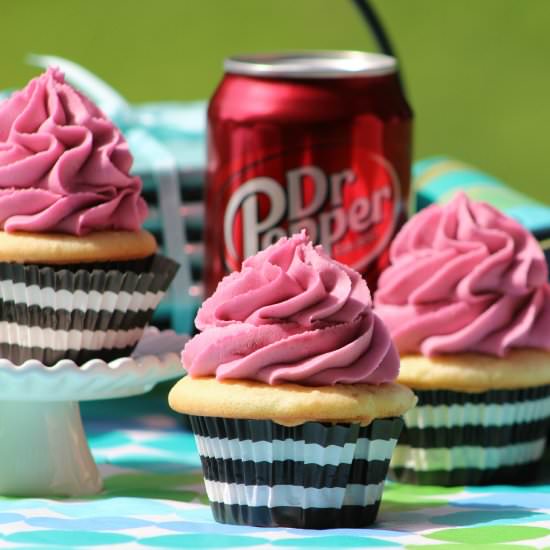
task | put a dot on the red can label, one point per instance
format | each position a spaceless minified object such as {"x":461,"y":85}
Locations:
{"x":351,"y":207}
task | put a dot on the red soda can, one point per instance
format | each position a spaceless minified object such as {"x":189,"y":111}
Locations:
{"x":314,"y":140}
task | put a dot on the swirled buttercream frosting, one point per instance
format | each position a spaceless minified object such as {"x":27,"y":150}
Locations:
{"x":292,"y":314}
{"x":64,"y":167}
{"x":465,"y":278}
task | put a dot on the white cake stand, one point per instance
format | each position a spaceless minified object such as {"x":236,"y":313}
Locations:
{"x":43,"y":448}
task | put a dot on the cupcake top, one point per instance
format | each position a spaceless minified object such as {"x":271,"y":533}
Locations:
{"x":292,"y":314}
{"x":64,"y":167}
{"x":465,"y":278}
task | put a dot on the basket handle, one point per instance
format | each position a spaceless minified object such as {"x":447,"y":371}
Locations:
{"x":377,"y":29}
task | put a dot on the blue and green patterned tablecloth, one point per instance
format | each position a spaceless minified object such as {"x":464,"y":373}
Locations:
{"x":154,"y":498}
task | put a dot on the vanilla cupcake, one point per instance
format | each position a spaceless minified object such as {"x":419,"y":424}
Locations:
{"x":291,"y":392}
{"x":467,"y":301}
{"x":79,"y":278}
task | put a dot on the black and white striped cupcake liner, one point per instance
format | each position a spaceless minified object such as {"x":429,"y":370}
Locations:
{"x":457,"y":438}
{"x":50,"y":313}
{"x":311,"y":476}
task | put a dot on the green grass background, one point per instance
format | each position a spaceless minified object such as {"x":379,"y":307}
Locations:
{"x":476,"y":70}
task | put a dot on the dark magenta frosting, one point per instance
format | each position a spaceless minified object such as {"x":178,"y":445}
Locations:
{"x":64,"y":167}
{"x":292,"y":314}
{"x":465,"y":278}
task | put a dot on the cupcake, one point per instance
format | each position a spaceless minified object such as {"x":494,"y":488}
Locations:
{"x":79,"y":278}
{"x":291,"y":392}
{"x":467,"y":301}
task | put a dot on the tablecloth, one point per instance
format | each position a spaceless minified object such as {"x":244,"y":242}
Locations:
{"x":154,"y":498}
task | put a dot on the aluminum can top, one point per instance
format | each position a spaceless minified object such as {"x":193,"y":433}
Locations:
{"x":312,"y":64}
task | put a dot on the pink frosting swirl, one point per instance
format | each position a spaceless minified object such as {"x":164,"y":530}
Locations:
{"x":292,"y":314}
{"x":64,"y":167}
{"x":465,"y":278}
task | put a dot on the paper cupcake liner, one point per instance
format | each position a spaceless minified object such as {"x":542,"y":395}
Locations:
{"x":311,"y":476}
{"x":140,"y":265}
{"x":457,"y":438}
{"x":50,"y":313}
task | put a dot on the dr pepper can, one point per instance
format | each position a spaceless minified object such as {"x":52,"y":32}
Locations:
{"x":315,"y":140}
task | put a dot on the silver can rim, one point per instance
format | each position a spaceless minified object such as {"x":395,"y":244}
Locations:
{"x":312,"y":64}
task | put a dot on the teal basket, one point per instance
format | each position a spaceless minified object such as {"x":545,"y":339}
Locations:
{"x":174,"y":193}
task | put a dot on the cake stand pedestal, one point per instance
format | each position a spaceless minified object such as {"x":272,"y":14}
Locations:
{"x":43,"y":448}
